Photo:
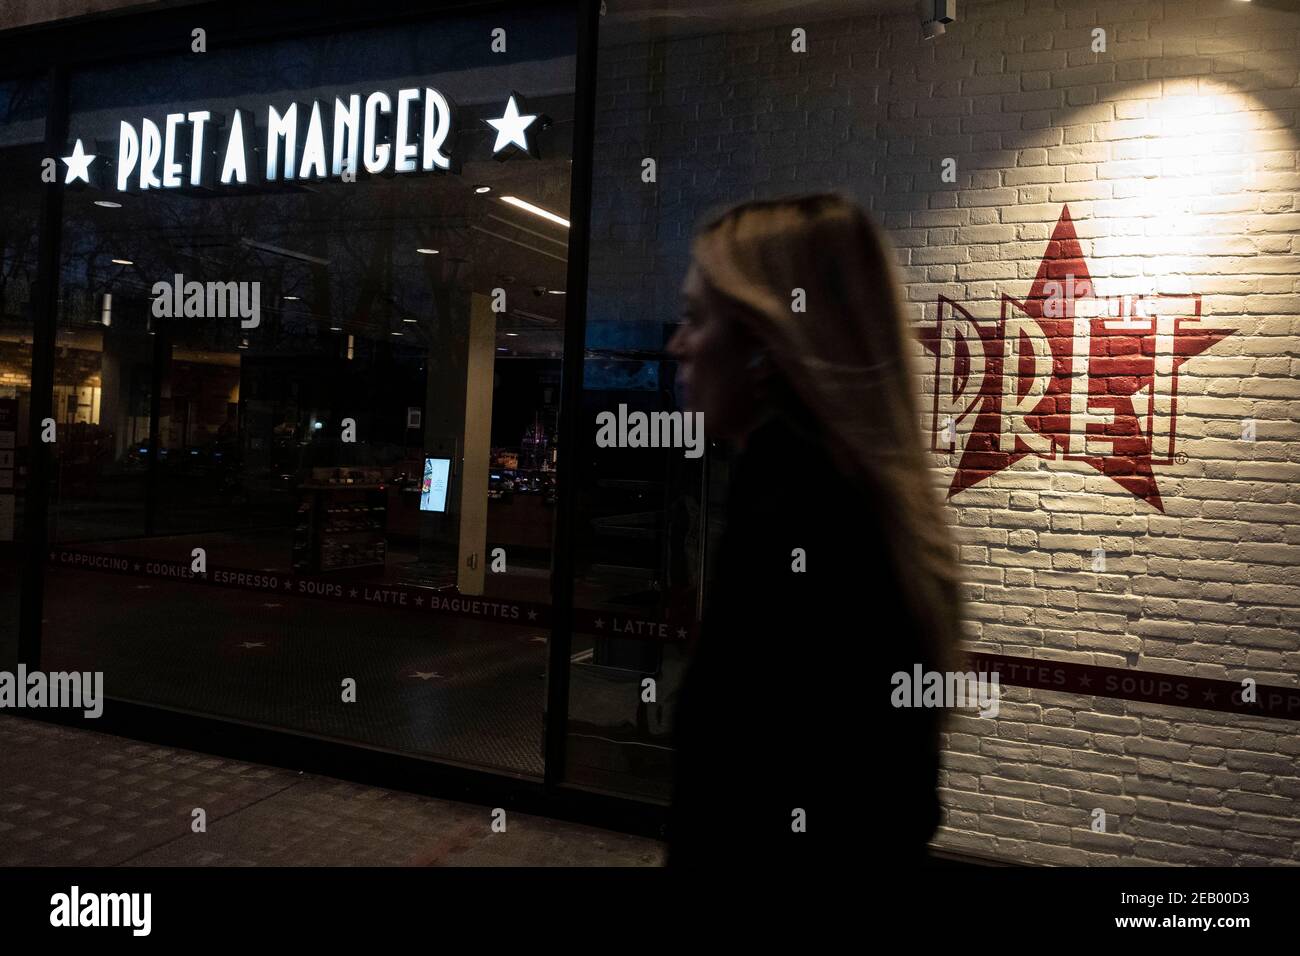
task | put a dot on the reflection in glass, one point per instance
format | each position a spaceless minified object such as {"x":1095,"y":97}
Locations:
{"x":22,"y":138}
{"x":287,"y":455}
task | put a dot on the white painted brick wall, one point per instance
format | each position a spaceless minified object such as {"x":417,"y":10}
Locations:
{"x":1176,"y":151}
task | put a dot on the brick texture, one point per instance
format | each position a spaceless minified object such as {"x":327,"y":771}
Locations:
{"x":1176,"y":152}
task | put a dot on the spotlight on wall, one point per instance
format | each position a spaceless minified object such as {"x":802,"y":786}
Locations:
{"x":934,"y":14}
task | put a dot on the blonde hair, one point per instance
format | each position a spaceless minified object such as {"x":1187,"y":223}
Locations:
{"x":846,"y":357}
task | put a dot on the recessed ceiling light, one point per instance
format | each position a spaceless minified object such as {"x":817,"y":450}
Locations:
{"x":123,"y":262}
{"x":427,"y":252}
{"x":108,"y":204}
{"x":535,"y":210}
{"x":512,"y":334}
{"x":290,"y":298}
{"x":482,"y":189}
{"x":555,"y":292}
{"x":336,"y":328}
{"x":502,"y":348}
{"x":411,"y":321}
{"x":395,"y":333}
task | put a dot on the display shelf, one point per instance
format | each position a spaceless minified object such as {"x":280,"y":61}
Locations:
{"x":340,"y":526}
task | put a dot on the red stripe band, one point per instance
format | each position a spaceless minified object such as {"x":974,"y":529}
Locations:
{"x":1150,"y":687}
{"x":604,"y":623}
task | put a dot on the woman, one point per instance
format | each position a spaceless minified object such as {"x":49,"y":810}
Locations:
{"x":836,"y":568}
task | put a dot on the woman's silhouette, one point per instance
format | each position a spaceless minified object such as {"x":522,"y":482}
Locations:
{"x":836,"y":567}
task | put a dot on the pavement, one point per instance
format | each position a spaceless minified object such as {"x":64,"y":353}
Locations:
{"x":72,"y":797}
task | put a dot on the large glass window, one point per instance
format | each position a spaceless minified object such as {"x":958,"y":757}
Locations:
{"x":343,"y":478}
{"x":645,"y":517}
{"x":22,"y":136}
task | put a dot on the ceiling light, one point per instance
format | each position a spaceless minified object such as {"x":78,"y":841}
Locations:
{"x":512,"y":333}
{"x":535,"y":210}
{"x":123,"y":262}
{"x":336,"y":328}
{"x":555,"y":292}
{"x":290,"y":298}
{"x":427,"y":252}
{"x":281,"y":251}
{"x":108,"y":204}
{"x":395,"y":333}
{"x":482,"y":189}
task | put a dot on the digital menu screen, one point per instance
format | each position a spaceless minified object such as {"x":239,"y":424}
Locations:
{"x":433,"y":488}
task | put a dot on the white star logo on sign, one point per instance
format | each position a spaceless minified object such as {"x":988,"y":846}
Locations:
{"x":511,"y":127}
{"x":78,"y":165}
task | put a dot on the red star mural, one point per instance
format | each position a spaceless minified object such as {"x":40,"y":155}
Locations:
{"x":1065,"y":374}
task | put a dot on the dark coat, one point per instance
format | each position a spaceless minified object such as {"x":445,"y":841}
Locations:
{"x":786,"y":701}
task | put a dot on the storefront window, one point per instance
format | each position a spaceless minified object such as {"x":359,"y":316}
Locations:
{"x":645,"y":516}
{"x":308,"y":389}
{"x":22,"y":135}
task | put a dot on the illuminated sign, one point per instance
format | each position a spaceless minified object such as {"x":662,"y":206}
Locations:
{"x":1065,"y":375}
{"x":512,"y":130}
{"x":409,"y":131}
{"x":433,"y":488}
